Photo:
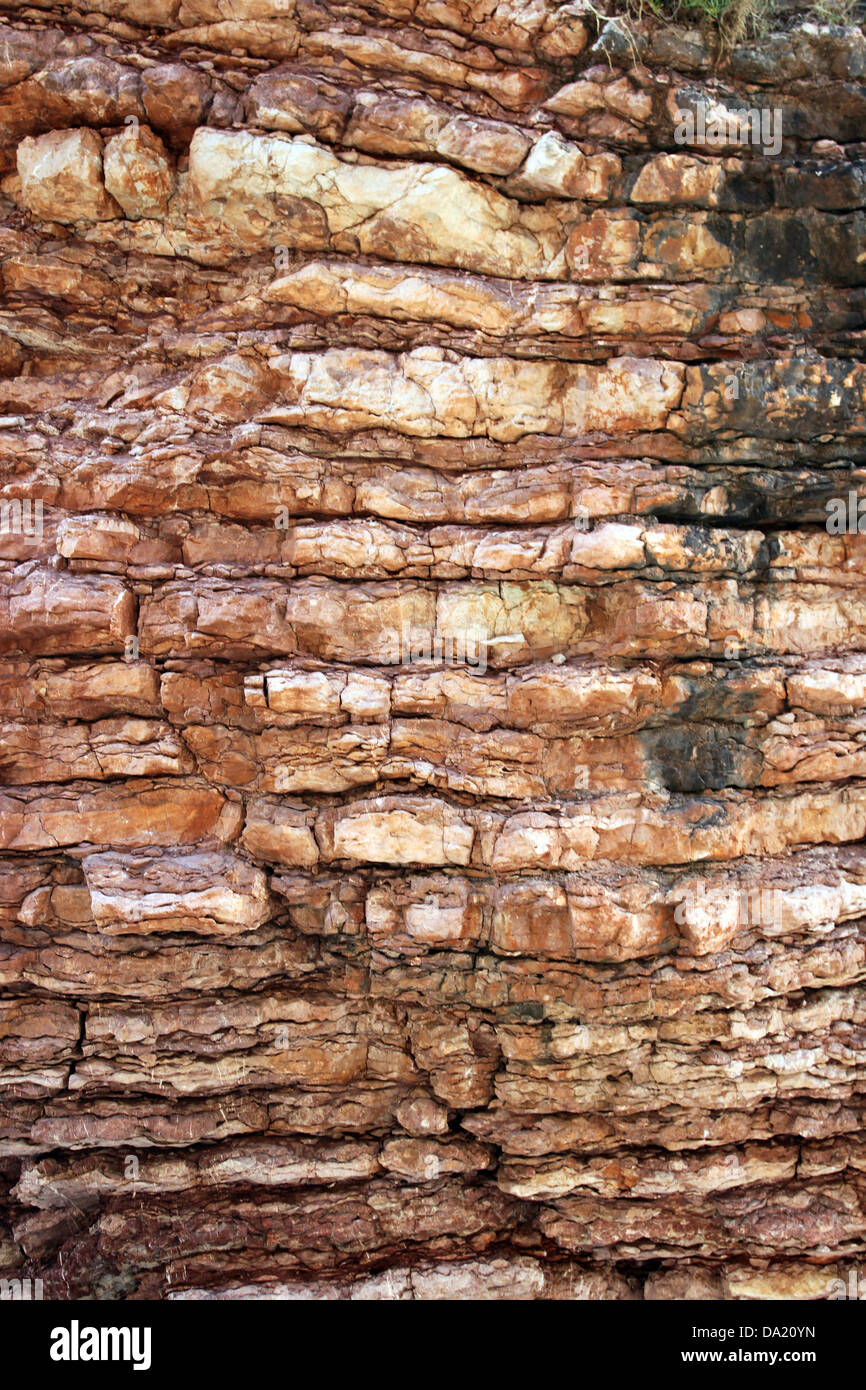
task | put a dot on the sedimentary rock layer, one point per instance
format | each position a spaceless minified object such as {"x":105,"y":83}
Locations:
{"x":432,"y":734}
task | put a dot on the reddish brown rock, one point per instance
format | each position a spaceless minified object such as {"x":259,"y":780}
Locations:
{"x":432,"y":654}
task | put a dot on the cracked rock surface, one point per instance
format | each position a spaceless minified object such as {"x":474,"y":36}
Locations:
{"x":432,"y":732}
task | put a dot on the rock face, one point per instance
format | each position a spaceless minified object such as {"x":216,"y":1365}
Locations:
{"x":432,"y":689}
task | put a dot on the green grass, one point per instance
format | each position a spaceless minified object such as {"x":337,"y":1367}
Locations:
{"x":713,"y":9}
{"x":737,"y":18}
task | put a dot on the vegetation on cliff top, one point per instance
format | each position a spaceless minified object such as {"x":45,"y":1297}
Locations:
{"x":737,"y":18}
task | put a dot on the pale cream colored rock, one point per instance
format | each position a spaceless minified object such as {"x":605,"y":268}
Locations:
{"x":486,"y":146}
{"x":138,"y":172}
{"x":566,"y":32}
{"x":431,"y":911}
{"x":430,"y":922}
{"x":108,"y":748}
{"x":743,"y":321}
{"x":430,"y":391}
{"x":395,"y":293}
{"x":652,"y":1177}
{"x":580,"y":919}
{"x":433,"y":833}
{"x":712,"y":911}
{"x":96,"y":537}
{"x":362,"y":695}
{"x":426,"y":1160}
{"x":268,"y":1163}
{"x":684,"y":1282}
{"x":94,"y":689}
{"x":566,"y":697}
{"x":61,"y":177}
{"x":827,"y":691}
{"x":516,"y":1278}
{"x":558,"y":168}
{"x":428,"y":295}
{"x":509,"y":621}
{"x":620,"y":97}
{"x":45,"y":611}
{"x":280,"y":836}
{"x":390,"y":124}
{"x":212,"y":11}
{"x":613,"y":546}
{"x":204,"y":893}
{"x":441,"y":215}
{"x":623,"y":829}
{"x":679,"y":178}
{"x":800,"y":1281}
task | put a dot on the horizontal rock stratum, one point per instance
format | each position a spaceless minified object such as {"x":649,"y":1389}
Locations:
{"x":432,"y":653}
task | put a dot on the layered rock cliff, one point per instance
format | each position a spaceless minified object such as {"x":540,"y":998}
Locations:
{"x":433,"y":739}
